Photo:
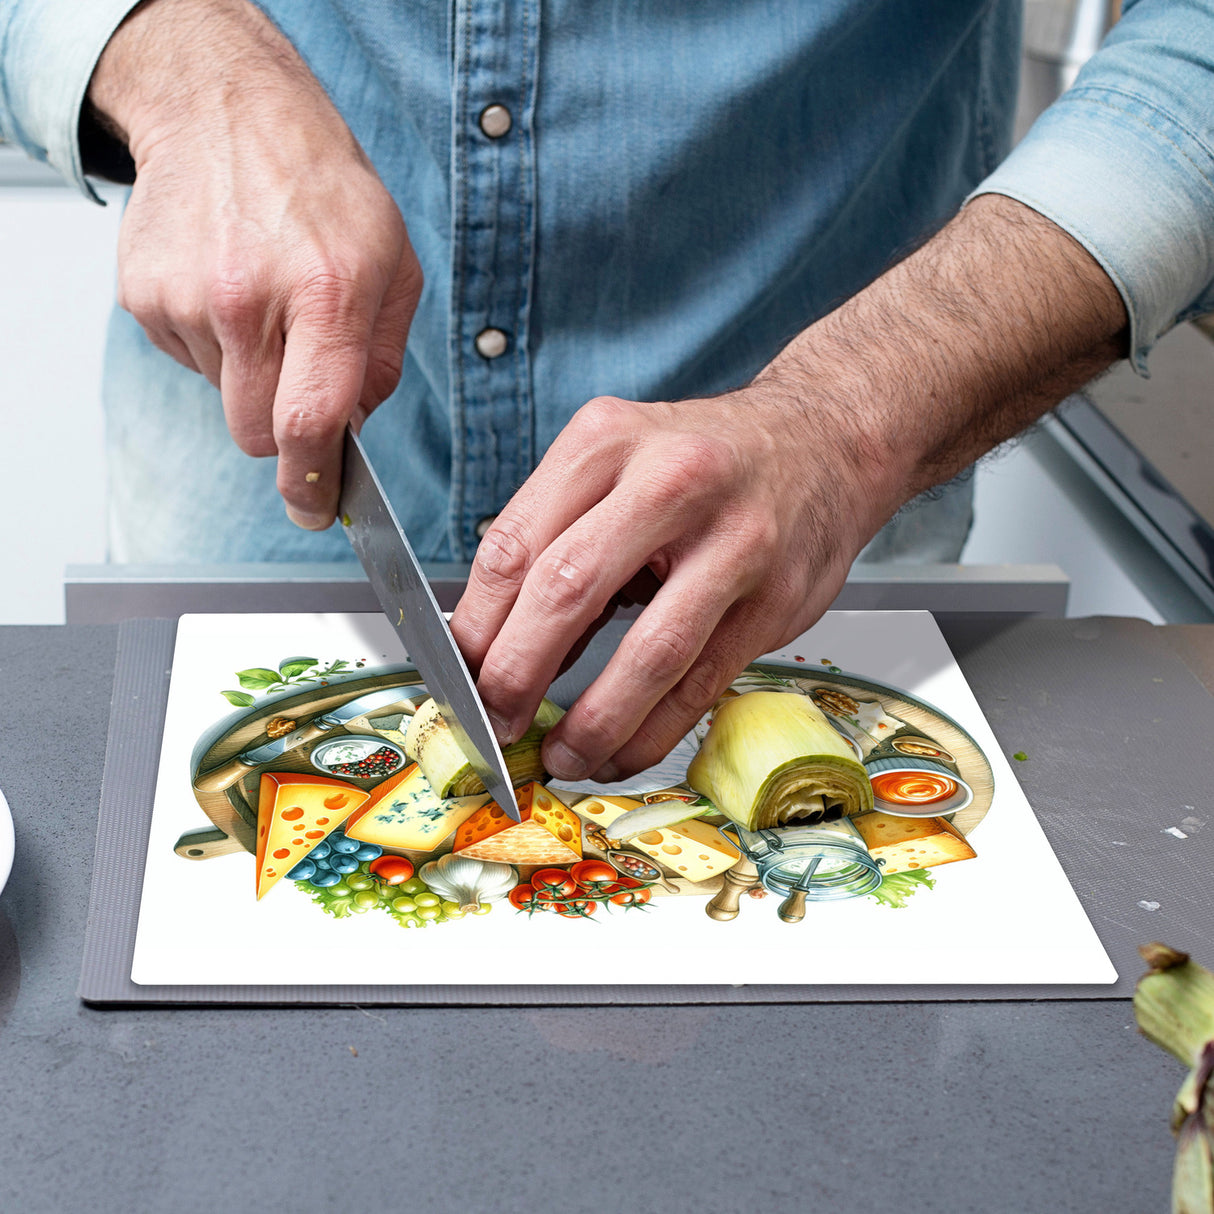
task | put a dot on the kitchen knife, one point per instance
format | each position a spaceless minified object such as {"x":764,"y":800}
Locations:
{"x":412,"y":610}
{"x":227,"y":773}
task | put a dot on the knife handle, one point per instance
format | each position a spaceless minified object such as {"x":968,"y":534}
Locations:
{"x":226,"y":774}
{"x":792,"y":909}
{"x":205,"y":843}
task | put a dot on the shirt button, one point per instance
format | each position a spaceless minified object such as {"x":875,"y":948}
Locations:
{"x":483,"y":526}
{"x":491,"y":343}
{"x":495,"y":121}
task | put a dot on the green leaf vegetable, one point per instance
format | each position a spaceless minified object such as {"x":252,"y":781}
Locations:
{"x":336,"y":900}
{"x":291,"y":672}
{"x":295,"y":666}
{"x":256,"y":678}
{"x":895,"y":889}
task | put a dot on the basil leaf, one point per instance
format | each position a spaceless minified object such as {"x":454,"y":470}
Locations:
{"x":257,"y":678}
{"x":241,"y":699}
{"x":291,"y":667}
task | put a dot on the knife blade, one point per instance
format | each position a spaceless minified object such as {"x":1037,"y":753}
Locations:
{"x":411,"y":608}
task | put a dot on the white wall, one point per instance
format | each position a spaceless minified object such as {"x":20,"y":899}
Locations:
{"x":57,"y":254}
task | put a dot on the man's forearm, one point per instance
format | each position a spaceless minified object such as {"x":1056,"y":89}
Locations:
{"x":259,"y":246}
{"x":959,"y":347}
{"x":171,"y":61}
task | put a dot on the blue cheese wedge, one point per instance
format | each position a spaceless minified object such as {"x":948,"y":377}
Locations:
{"x":406,"y":814}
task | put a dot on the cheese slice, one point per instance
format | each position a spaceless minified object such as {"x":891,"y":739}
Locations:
{"x":908,"y":843}
{"x":294,"y":813}
{"x":549,"y":833}
{"x":690,"y":849}
{"x":406,"y":814}
{"x":604,"y":810}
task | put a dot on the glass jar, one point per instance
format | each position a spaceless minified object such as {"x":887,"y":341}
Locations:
{"x":826,"y":862}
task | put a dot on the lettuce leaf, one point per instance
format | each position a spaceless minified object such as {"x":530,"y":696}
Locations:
{"x":895,"y":889}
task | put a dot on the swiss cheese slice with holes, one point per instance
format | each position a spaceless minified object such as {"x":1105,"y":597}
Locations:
{"x":690,"y":849}
{"x":294,"y":813}
{"x":902,"y":844}
{"x":549,"y":833}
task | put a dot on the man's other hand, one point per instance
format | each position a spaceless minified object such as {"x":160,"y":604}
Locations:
{"x":746,"y":507}
{"x":751,"y":506}
{"x":259,"y":246}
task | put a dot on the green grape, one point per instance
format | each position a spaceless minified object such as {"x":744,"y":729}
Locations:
{"x":403,"y":905}
{"x":340,"y":890}
{"x":427,"y":899}
{"x":360,"y":881}
{"x":483,"y":909}
{"x":358,"y":908}
{"x":366,"y":898}
{"x":452,"y":910}
{"x":415,"y":885}
{"x":429,"y":913}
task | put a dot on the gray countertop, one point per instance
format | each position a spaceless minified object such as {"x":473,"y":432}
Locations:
{"x":1016,"y":1105}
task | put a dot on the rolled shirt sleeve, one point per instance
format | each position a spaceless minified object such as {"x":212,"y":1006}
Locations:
{"x":1124,"y":162}
{"x":48,"y":50}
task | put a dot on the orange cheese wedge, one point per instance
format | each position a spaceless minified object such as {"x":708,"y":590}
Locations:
{"x":549,"y":833}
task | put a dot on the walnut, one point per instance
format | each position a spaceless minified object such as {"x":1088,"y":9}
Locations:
{"x":279,"y":727}
{"x":833,"y":700}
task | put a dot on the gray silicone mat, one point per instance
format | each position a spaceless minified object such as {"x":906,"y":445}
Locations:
{"x":1118,"y":735}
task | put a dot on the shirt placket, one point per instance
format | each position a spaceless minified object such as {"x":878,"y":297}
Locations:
{"x":493,"y":213}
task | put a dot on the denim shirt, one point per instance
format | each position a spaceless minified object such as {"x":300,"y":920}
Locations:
{"x":666,"y":193}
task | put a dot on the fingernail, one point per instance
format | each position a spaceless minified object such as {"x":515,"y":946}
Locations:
{"x":609,"y":773}
{"x":564,"y":763}
{"x":502,"y":729}
{"x":309,"y":522}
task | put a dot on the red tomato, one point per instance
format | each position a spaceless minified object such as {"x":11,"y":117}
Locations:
{"x":393,"y":870}
{"x":592,"y":875}
{"x":578,"y":908}
{"x":546,"y":900}
{"x":631,"y":895}
{"x":522,"y":897}
{"x":555,"y":881}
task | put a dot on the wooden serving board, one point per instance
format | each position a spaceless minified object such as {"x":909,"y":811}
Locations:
{"x":234,"y":809}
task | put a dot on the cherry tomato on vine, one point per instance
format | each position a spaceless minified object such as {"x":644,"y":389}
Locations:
{"x":592,"y":875}
{"x":545,"y":899}
{"x":577,"y":908}
{"x":393,"y":870}
{"x":630,"y":893}
{"x":522,"y":897}
{"x":555,"y":881}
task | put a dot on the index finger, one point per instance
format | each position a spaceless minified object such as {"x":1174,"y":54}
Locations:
{"x":318,"y":391}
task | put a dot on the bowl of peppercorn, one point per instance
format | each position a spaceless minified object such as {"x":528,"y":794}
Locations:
{"x":356,"y":756}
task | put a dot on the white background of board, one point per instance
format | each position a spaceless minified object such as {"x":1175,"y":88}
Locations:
{"x":1007,"y":917}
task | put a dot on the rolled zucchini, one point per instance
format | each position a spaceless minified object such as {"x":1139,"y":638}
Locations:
{"x":430,"y":743}
{"x":772,"y":757}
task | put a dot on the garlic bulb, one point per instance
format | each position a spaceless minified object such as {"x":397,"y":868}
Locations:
{"x":468,"y":882}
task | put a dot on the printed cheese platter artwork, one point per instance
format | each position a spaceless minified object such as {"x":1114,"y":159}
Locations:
{"x":841,"y":815}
